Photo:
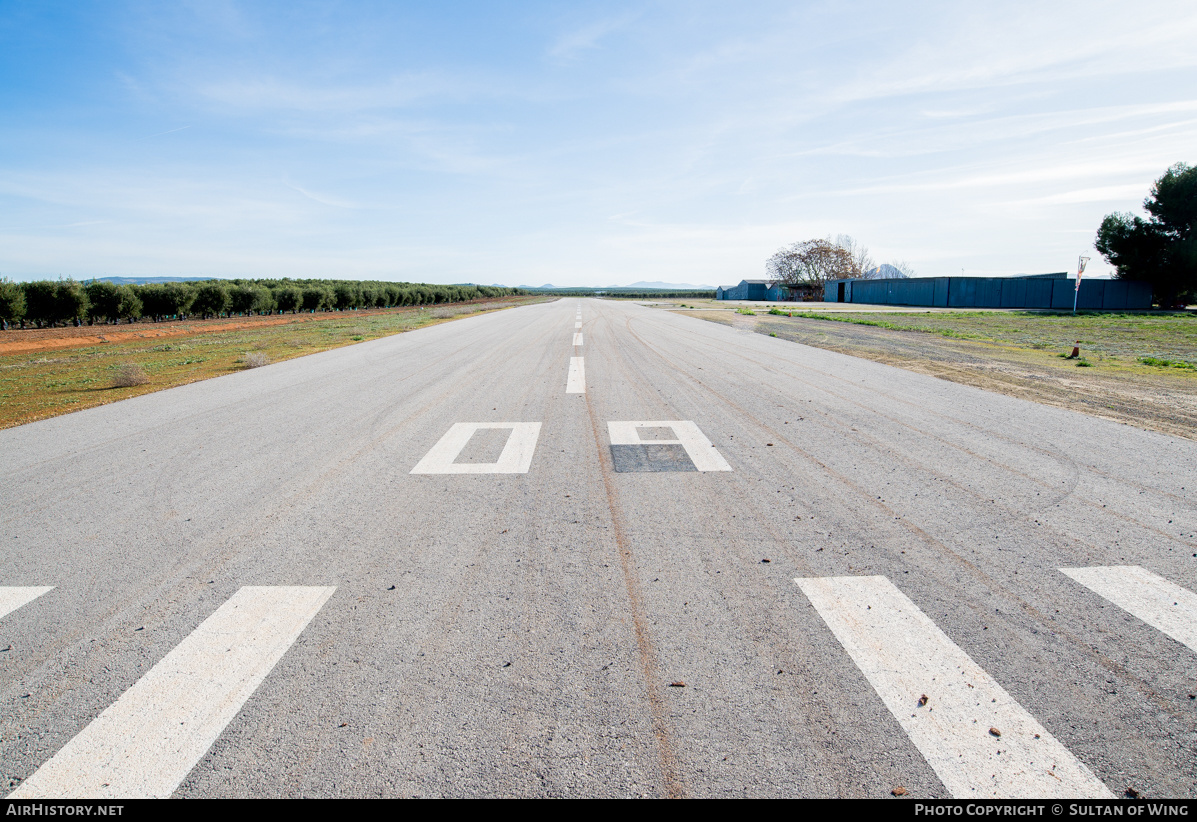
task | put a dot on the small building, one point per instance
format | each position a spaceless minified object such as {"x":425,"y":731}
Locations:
{"x":761,"y":290}
{"x":805,"y":292}
{"x":767,"y":291}
{"x":746,"y":290}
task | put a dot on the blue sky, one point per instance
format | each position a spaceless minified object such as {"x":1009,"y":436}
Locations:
{"x":577,"y":143}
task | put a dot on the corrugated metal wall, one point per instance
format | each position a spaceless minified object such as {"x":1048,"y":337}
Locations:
{"x":993,"y":292}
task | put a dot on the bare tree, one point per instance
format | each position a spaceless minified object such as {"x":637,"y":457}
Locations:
{"x":861,"y":258}
{"x":810,"y":264}
{"x":784,"y":267}
{"x":904,"y":268}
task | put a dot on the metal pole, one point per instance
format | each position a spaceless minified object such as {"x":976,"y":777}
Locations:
{"x":1080,"y":269}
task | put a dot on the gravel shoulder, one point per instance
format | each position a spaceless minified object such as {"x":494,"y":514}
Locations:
{"x":1164,"y":401}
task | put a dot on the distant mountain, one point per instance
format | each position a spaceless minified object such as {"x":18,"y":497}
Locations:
{"x":885,"y":271}
{"x":146,"y":280}
{"x":668,"y":286}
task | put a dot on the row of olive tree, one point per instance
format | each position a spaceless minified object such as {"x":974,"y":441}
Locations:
{"x":48,"y":303}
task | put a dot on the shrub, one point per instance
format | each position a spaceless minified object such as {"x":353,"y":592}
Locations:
{"x":1160,"y":362}
{"x":129,"y":375}
{"x":211,"y":299}
{"x":256,"y":360}
{"x":12,"y":302}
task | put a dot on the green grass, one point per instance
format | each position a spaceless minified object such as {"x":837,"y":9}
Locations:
{"x":1156,"y":339}
{"x":47,"y":383}
{"x":748,"y":311}
{"x":1159,"y":362}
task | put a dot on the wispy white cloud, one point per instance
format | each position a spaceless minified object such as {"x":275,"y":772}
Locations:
{"x":572,"y":44}
{"x":1103,"y":194}
{"x":266,"y":93}
{"x":161,"y":133}
{"x":972,"y":47}
{"x":676,"y":141}
{"x":323,"y":199}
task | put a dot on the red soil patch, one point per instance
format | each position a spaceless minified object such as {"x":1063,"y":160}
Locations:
{"x":34,"y":340}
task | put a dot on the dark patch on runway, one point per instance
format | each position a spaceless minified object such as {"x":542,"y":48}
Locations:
{"x":651,"y":457}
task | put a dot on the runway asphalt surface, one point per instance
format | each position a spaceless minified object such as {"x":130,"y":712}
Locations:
{"x":626,"y":554}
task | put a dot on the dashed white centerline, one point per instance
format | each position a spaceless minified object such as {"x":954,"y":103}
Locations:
{"x":578,"y":338}
{"x":145,"y":743}
{"x":12,"y":597}
{"x":1163,"y":605}
{"x":576,"y":382}
{"x":979,"y":741}
{"x":577,"y":325}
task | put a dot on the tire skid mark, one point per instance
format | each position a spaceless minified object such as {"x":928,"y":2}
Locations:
{"x":209,"y":556}
{"x":417,"y":689}
{"x":829,"y":744}
{"x":1083,"y":647}
{"x":674,"y":787}
{"x":1054,"y":454}
{"x":1051,"y":453}
{"x":52,"y":499}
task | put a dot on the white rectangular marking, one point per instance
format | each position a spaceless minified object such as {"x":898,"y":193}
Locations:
{"x":577,"y":325}
{"x":576,"y":382}
{"x":904,"y":655}
{"x":12,"y":598}
{"x":578,"y":338}
{"x":516,"y":457}
{"x":145,"y":743}
{"x":1163,"y":605}
{"x":700,"y":450}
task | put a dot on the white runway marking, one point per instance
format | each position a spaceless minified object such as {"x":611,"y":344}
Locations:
{"x":577,"y":325}
{"x":905,"y":656}
{"x":698,"y":447}
{"x":516,"y":457}
{"x":576,"y":382}
{"x":1163,"y":605}
{"x":146,"y":742}
{"x":578,"y":338}
{"x":12,"y":598}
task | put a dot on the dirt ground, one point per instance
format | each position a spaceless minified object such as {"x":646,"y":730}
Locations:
{"x":46,"y":372}
{"x":1164,"y":401}
{"x":32,"y":340}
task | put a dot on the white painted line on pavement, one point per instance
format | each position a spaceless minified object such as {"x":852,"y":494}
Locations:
{"x":145,"y":743}
{"x":576,"y":382}
{"x":516,"y":457}
{"x":577,"y":325}
{"x":904,"y":656}
{"x":1163,"y":605}
{"x":578,"y":338}
{"x":12,"y":598}
{"x":700,"y":450}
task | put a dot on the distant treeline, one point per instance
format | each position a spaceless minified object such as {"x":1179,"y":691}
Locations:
{"x":48,"y":303}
